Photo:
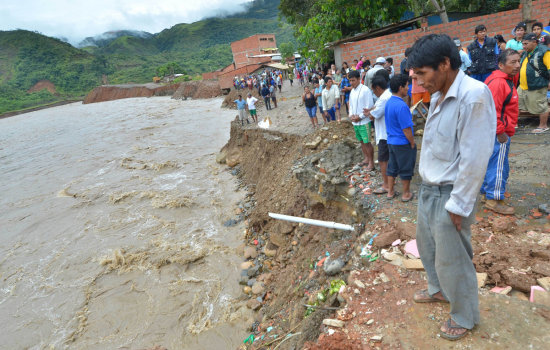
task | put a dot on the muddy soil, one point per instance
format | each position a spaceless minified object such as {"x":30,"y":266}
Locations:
{"x":295,"y":170}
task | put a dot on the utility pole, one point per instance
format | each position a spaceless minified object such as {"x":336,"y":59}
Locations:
{"x":526,"y":12}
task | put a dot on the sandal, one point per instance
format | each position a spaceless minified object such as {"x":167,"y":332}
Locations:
{"x":422,"y":296}
{"x":450,"y":336}
{"x":380,"y":190}
{"x":395,"y":194}
{"x":408,"y":199}
{"x":540,"y":130}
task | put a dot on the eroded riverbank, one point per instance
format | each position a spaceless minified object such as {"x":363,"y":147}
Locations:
{"x":293,"y":288}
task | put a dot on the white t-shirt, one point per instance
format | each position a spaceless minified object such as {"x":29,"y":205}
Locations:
{"x":251,"y":102}
{"x":378,"y":114}
{"x":360,"y":98}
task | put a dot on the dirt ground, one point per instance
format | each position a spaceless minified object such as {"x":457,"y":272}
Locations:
{"x":296,"y":295}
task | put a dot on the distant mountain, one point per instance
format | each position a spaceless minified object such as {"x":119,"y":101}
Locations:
{"x":28,"y":57}
{"x":124,"y":56}
{"x":107,"y":37}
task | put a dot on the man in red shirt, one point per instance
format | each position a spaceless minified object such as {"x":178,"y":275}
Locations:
{"x":503,"y":88}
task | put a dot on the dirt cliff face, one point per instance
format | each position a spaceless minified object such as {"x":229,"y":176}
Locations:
{"x":197,"y":89}
{"x":315,"y":176}
{"x":41,"y":85}
{"x":116,"y":92}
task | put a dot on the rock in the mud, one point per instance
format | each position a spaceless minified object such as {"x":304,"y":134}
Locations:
{"x":250,"y":253}
{"x":541,"y":297}
{"x":519,"y":295}
{"x":544,"y":283}
{"x":413,"y":264}
{"x":233,"y":157}
{"x":313,"y":144}
{"x":376,"y":338}
{"x":220,"y":158}
{"x":333,"y":266}
{"x":502,"y":224}
{"x":253,"y":304}
{"x":481,"y":279}
{"x":246,"y":265}
{"x":244,"y":280}
{"x":258,"y":288}
{"x":253,"y":271}
{"x":385,"y":239}
{"x":351,"y":192}
{"x":333,"y":322}
{"x":251,"y":282}
{"x":545,"y":208}
{"x":270,"y":249}
{"x":542,"y":268}
{"x":519,"y":281}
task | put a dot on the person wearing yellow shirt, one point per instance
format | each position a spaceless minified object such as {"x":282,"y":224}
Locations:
{"x":534,"y":79}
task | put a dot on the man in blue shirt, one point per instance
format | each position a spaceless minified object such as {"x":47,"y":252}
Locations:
{"x":345,"y":88}
{"x":399,"y":127}
{"x":241,"y":107}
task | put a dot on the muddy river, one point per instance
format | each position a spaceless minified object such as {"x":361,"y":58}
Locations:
{"x":111,"y":233}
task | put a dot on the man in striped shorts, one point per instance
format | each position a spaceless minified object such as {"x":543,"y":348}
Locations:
{"x":503,"y":88}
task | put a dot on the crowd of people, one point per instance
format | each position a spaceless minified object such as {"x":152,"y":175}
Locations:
{"x":474,"y":96}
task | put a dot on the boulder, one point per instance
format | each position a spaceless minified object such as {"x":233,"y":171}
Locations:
{"x":220,"y":158}
{"x":386,"y":238}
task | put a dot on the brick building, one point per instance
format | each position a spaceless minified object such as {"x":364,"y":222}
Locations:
{"x":394,"y":45}
{"x":253,"y":50}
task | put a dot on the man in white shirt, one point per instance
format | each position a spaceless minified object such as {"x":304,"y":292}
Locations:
{"x":251,"y":101}
{"x":360,"y":99}
{"x":382,"y":92}
{"x":380,"y":62}
{"x":458,"y":142}
{"x":330,"y":96}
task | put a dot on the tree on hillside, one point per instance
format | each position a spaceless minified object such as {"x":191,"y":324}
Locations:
{"x":322,"y":21}
{"x":318,"y":22}
{"x":170,"y":68}
{"x":287,"y":51}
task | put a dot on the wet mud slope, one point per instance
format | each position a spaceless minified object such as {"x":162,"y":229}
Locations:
{"x":318,"y":288}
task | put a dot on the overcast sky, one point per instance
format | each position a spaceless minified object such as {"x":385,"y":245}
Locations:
{"x":77,"y":19}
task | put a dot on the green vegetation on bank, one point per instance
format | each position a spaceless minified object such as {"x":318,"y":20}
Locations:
{"x":28,"y":57}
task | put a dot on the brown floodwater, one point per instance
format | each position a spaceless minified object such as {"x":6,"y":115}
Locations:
{"x":111,"y":233}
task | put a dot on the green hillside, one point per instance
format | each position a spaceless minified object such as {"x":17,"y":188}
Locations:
{"x":28,"y":57}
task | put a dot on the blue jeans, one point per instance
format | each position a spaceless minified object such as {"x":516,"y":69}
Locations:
{"x":332,"y":113}
{"x":312,"y":112}
{"x":498,"y":169}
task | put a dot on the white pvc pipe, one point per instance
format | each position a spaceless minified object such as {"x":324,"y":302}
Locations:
{"x":321,"y":223}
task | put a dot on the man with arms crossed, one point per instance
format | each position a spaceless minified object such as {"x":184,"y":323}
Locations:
{"x":360,"y":98}
{"x":458,"y":142}
{"x":505,"y":95}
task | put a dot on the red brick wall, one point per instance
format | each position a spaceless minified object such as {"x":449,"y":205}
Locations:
{"x":394,"y":45}
{"x":251,"y":46}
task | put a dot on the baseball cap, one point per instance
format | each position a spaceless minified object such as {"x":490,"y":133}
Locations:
{"x":380,"y":60}
{"x":457,"y":42}
{"x":530,"y":36}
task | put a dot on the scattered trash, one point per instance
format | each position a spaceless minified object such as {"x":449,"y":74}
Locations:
{"x":502,"y":290}
{"x":250,"y":339}
{"x":412,"y":249}
{"x":333,"y":323}
{"x":396,"y":243}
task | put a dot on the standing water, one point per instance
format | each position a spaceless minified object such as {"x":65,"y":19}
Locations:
{"x":111,"y":232}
